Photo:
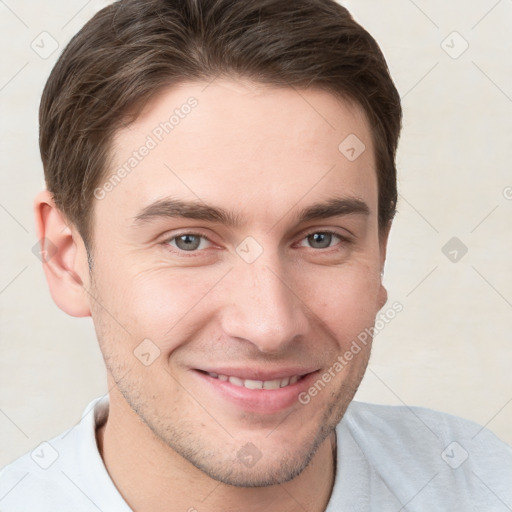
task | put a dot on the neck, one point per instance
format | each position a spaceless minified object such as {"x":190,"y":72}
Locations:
{"x":152,"y":477}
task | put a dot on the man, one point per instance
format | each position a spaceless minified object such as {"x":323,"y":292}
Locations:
{"x":220,"y":187}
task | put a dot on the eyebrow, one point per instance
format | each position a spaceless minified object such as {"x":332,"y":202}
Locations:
{"x":176,"y":208}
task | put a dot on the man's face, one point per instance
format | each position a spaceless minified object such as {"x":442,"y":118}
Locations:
{"x":269,"y":297}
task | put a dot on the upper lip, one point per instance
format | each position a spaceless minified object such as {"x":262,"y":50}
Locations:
{"x":258,"y":373}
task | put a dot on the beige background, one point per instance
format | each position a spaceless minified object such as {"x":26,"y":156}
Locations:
{"x":449,"y":349}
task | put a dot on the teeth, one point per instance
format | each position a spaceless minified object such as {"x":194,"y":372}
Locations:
{"x":236,"y":381}
{"x":257,"y":384}
{"x":272,"y":384}
{"x":253,"y":384}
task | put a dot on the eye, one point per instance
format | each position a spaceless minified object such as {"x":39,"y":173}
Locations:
{"x":322,"y":239}
{"x":188,"y":242}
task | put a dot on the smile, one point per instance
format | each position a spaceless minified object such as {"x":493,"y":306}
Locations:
{"x":255,"y":390}
{"x":257,"y":384}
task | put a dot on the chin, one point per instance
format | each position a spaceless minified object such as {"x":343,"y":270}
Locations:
{"x":265,"y":473}
{"x":240,"y":464}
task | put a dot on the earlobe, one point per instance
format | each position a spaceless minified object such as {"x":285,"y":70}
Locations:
{"x":382,"y":298}
{"x":63,"y":256}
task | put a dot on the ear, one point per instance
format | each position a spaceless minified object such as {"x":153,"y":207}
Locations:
{"x":383,"y":245}
{"x":64,"y":257}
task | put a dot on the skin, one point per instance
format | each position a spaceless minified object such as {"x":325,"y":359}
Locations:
{"x":171,"y":441}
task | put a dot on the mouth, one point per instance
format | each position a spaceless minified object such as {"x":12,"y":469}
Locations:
{"x":254,"y":391}
{"x":257,"y":384}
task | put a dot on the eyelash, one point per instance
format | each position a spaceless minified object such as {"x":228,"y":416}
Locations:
{"x":343,"y":239}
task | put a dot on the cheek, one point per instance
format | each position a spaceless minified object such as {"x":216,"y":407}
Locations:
{"x":159,"y":304}
{"x":346,"y":299}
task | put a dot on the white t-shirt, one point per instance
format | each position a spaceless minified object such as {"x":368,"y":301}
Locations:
{"x":389,"y":459}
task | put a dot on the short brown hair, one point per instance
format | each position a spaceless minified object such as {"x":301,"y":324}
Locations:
{"x":133,"y":48}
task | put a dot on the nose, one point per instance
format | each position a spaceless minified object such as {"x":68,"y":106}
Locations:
{"x":262,"y":307}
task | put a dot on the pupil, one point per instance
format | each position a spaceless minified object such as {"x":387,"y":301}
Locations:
{"x":320,"y":240}
{"x":188,"y":242}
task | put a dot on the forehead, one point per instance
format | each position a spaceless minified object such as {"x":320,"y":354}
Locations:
{"x":256,"y":148}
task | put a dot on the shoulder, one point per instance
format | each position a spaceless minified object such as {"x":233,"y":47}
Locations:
{"x":38,"y":480}
{"x":459,"y":456}
{"x":64,"y":473}
{"x":413,"y":421}
{"x":420,"y":430}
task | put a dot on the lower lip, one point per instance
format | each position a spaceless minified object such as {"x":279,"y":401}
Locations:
{"x":262,"y":401}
